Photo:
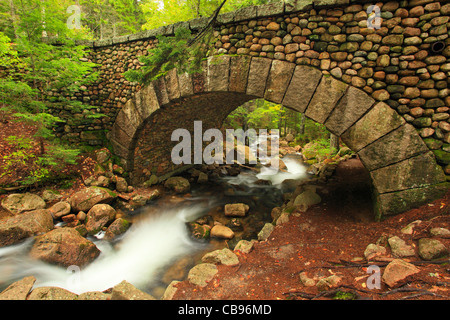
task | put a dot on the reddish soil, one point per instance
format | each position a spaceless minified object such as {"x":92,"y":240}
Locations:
{"x":323,"y":241}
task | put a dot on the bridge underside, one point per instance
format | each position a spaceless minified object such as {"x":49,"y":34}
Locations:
{"x":403,"y":170}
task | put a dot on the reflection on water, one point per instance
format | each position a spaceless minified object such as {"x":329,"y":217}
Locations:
{"x":158,"y":238}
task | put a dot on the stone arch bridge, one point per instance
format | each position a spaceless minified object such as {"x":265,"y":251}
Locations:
{"x":383,"y":90}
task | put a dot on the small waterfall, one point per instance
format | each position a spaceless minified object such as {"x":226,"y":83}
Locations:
{"x":147,"y":247}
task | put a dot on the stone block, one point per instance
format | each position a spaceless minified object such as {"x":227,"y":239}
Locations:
{"x":239,"y":67}
{"x":417,"y":172}
{"x":172,"y":86}
{"x":147,"y":101}
{"x":271,"y":9}
{"x":376,"y":123}
{"x":279,"y":77}
{"x":302,"y":87}
{"x":185,"y":84}
{"x":353,"y":104}
{"x":259,"y":71}
{"x":218,"y":70}
{"x":393,"y":203}
{"x":246,"y":13}
{"x":325,"y":98}
{"x":387,"y":150}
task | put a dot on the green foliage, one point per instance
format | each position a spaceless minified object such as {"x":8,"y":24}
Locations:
{"x":343,"y":295}
{"x":163,"y":12}
{"x":171,"y":52}
{"x":39,"y":169}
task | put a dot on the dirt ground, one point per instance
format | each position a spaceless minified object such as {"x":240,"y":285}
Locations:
{"x":328,"y":239}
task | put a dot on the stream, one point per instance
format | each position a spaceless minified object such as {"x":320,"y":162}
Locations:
{"x":158,"y":247}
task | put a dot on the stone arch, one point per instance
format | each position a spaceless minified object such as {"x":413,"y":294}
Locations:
{"x":403,"y":170}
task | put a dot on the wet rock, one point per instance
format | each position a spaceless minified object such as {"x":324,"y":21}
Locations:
{"x":222,"y":232}
{"x":202,"y":273}
{"x":121,"y":184}
{"x":19,"y":290}
{"x":224,"y":256}
{"x":118,"y":227}
{"x":18,"y":203}
{"x":398,"y":270}
{"x":23,"y":226}
{"x":178,"y":184}
{"x":98,"y":217}
{"x":200,"y":231}
{"x":60,"y":209}
{"x":430,"y":249}
{"x":85,"y":199}
{"x":51,"y":293}
{"x":126,"y":291}
{"x":202,"y":178}
{"x":64,"y":247}
{"x":236,"y":209}
{"x":399,"y":248}
{"x":235,"y":224}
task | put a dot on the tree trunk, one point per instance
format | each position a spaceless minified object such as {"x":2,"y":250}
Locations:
{"x":302,"y":124}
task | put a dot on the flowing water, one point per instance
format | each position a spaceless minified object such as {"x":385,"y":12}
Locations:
{"x":160,"y":237}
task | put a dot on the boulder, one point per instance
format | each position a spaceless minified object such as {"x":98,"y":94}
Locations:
{"x":202,"y":178}
{"x":400,"y":248}
{"x":51,"y":195}
{"x":126,"y":291}
{"x":51,"y":293}
{"x":374,"y":250}
{"x":60,"y":209}
{"x":265,"y":232}
{"x":85,"y":199}
{"x":398,"y":270}
{"x":202,"y":273}
{"x":64,"y":247}
{"x":236,"y":209}
{"x":22,"y":202}
{"x":244,"y":246}
{"x":178,"y":184}
{"x":224,"y":256}
{"x":223,"y":232}
{"x":430,"y":249}
{"x":28,"y":224}
{"x":118,"y":227}
{"x":307,"y":199}
{"x":19,"y":290}
{"x":121,"y":184}
{"x":98,"y":217}
{"x":94,"y":295}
